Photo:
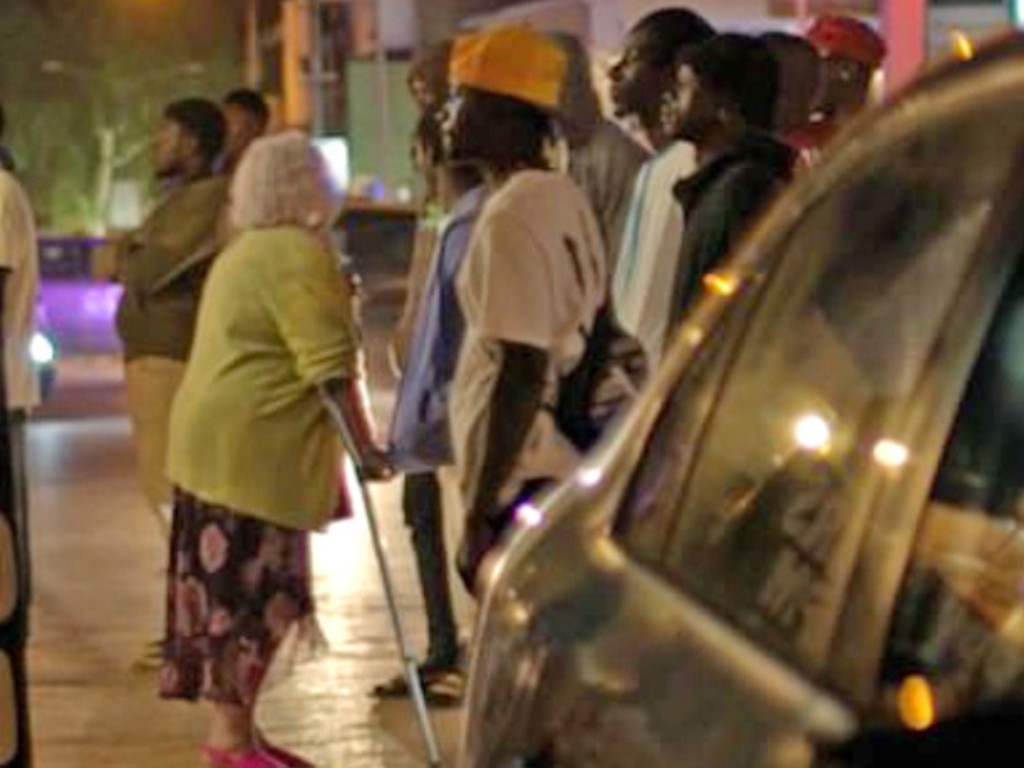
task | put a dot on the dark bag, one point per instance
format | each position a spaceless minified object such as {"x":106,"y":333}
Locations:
{"x":603,"y":384}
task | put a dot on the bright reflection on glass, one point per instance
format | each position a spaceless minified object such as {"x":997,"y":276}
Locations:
{"x":891,"y":454}
{"x":961,"y":44}
{"x":720,"y":283}
{"x":812,"y":433}
{"x":916,"y":703}
{"x":693,"y":335}
{"x":529,"y":515}
{"x":517,"y":614}
{"x":590,"y":477}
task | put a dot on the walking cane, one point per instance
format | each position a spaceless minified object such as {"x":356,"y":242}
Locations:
{"x":412,"y":676}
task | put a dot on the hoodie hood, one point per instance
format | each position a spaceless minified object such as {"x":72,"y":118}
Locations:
{"x":752,"y":149}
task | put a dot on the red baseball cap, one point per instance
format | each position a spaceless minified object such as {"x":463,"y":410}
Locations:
{"x":849,"y":38}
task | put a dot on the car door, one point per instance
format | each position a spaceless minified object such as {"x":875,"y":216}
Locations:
{"x":759,"y":510}
{"x":684,"y":602}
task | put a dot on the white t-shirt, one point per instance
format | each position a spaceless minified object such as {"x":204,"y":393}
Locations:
{"x":19,"y":254}
{"x":534,"y":274}
{"x":645,"y":271}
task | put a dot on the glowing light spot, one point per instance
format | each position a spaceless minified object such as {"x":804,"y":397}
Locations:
{"x":517,"y":614}
{"x":693,"y":335}
{"x":891,"y":454}
{"x":812,"y":433}
{"x":721,"y":284}
{"x":529,"y":516}
{"x":916,"y":703}
{"x":335,"y":152}
{"x":590,"y":477}
{"x":41,"y":350}
{"x":961,"y":44}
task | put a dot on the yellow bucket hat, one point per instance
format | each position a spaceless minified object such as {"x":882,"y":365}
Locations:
{"x":510,"y":61}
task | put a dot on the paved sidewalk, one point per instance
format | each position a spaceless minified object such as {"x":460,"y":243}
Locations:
{"x":98,"y":560}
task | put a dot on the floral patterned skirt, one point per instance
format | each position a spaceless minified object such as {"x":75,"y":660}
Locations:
{"x":235,"y":587}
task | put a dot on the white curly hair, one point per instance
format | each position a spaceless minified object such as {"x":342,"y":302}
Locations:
{"x":282,"y":180}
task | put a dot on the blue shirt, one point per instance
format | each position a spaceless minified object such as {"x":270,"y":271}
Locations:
{"x":420,"y":436}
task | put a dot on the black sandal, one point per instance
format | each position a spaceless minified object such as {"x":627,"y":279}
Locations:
{"x":445,"y":689}
{"x":441,"y":687}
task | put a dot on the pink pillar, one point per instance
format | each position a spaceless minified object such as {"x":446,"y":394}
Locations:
{"x":905,"y":25}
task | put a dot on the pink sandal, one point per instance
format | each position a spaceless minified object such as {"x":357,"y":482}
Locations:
{"x":222,"y":758}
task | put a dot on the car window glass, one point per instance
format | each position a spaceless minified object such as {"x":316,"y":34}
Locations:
{"x":841,"y":336}
{"x":649,"y":510}
{"x":959,"y":621}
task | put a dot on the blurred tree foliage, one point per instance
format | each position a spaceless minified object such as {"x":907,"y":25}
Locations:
{"x":84,"y":82}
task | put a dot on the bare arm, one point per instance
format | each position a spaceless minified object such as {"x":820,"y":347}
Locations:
{"x":518,"y":396}
{"x":344,"y":397}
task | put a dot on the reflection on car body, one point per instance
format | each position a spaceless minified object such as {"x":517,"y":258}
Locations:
{"x":811,"y":521}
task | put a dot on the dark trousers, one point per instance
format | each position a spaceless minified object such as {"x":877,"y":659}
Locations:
{"x":18,"y":421}
{"x":421,"y":502}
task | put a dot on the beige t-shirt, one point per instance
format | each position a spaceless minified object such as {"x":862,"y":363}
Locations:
{"x":19,"y":254}
{"x":534,"y":275}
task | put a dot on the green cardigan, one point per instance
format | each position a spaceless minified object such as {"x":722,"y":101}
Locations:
{"x":248,"y":429}
{"x":163,"y":265}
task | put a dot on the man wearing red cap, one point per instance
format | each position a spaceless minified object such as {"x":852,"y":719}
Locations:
{"x":851,"y":53}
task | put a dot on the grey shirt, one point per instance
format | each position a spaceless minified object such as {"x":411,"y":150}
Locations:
{"x":605,"y":169}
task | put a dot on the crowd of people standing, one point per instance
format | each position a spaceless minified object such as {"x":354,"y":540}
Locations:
{"x":563,"y":213}
{"x":548,"y":222}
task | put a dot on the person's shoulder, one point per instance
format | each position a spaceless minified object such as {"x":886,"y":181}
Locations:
{"x":13,"y":195}
{"x":535,"y":189}
{"x":204,"y":191}
{"x":272,"y":254}
{"x":621,"y":142}
{"x":677,"y":160}
{"x":466,"y":208}
{"x":283,"y":240}
{"x":216,"y":185}
{"x":10,"y":184}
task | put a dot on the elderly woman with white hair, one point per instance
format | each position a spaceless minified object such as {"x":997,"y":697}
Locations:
{"x":253,"y":454}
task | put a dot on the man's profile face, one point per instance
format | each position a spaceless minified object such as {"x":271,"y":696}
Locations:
{"x":635,"y":81}
{"x":846,"y":83}
{"x":242,"y":128}
{"x":171,"y":149}
{"x":695,"y":108}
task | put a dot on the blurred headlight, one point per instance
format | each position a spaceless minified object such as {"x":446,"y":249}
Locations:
{"x":41,"y":349}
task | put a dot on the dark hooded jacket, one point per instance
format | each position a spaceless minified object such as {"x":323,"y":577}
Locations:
{"x":720,"y":201}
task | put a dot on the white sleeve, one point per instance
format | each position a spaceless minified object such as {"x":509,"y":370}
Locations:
{"x":9,"y":222}
{"x":511,"y":280}
{"x":17,"y":229}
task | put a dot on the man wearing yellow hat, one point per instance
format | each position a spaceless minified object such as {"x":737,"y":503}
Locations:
{"x":532,"y":280}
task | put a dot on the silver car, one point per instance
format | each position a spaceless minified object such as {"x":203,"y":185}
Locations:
{"x":812,"y":520}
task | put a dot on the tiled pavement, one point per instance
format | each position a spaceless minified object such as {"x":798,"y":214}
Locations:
{"x":98,"y":557}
